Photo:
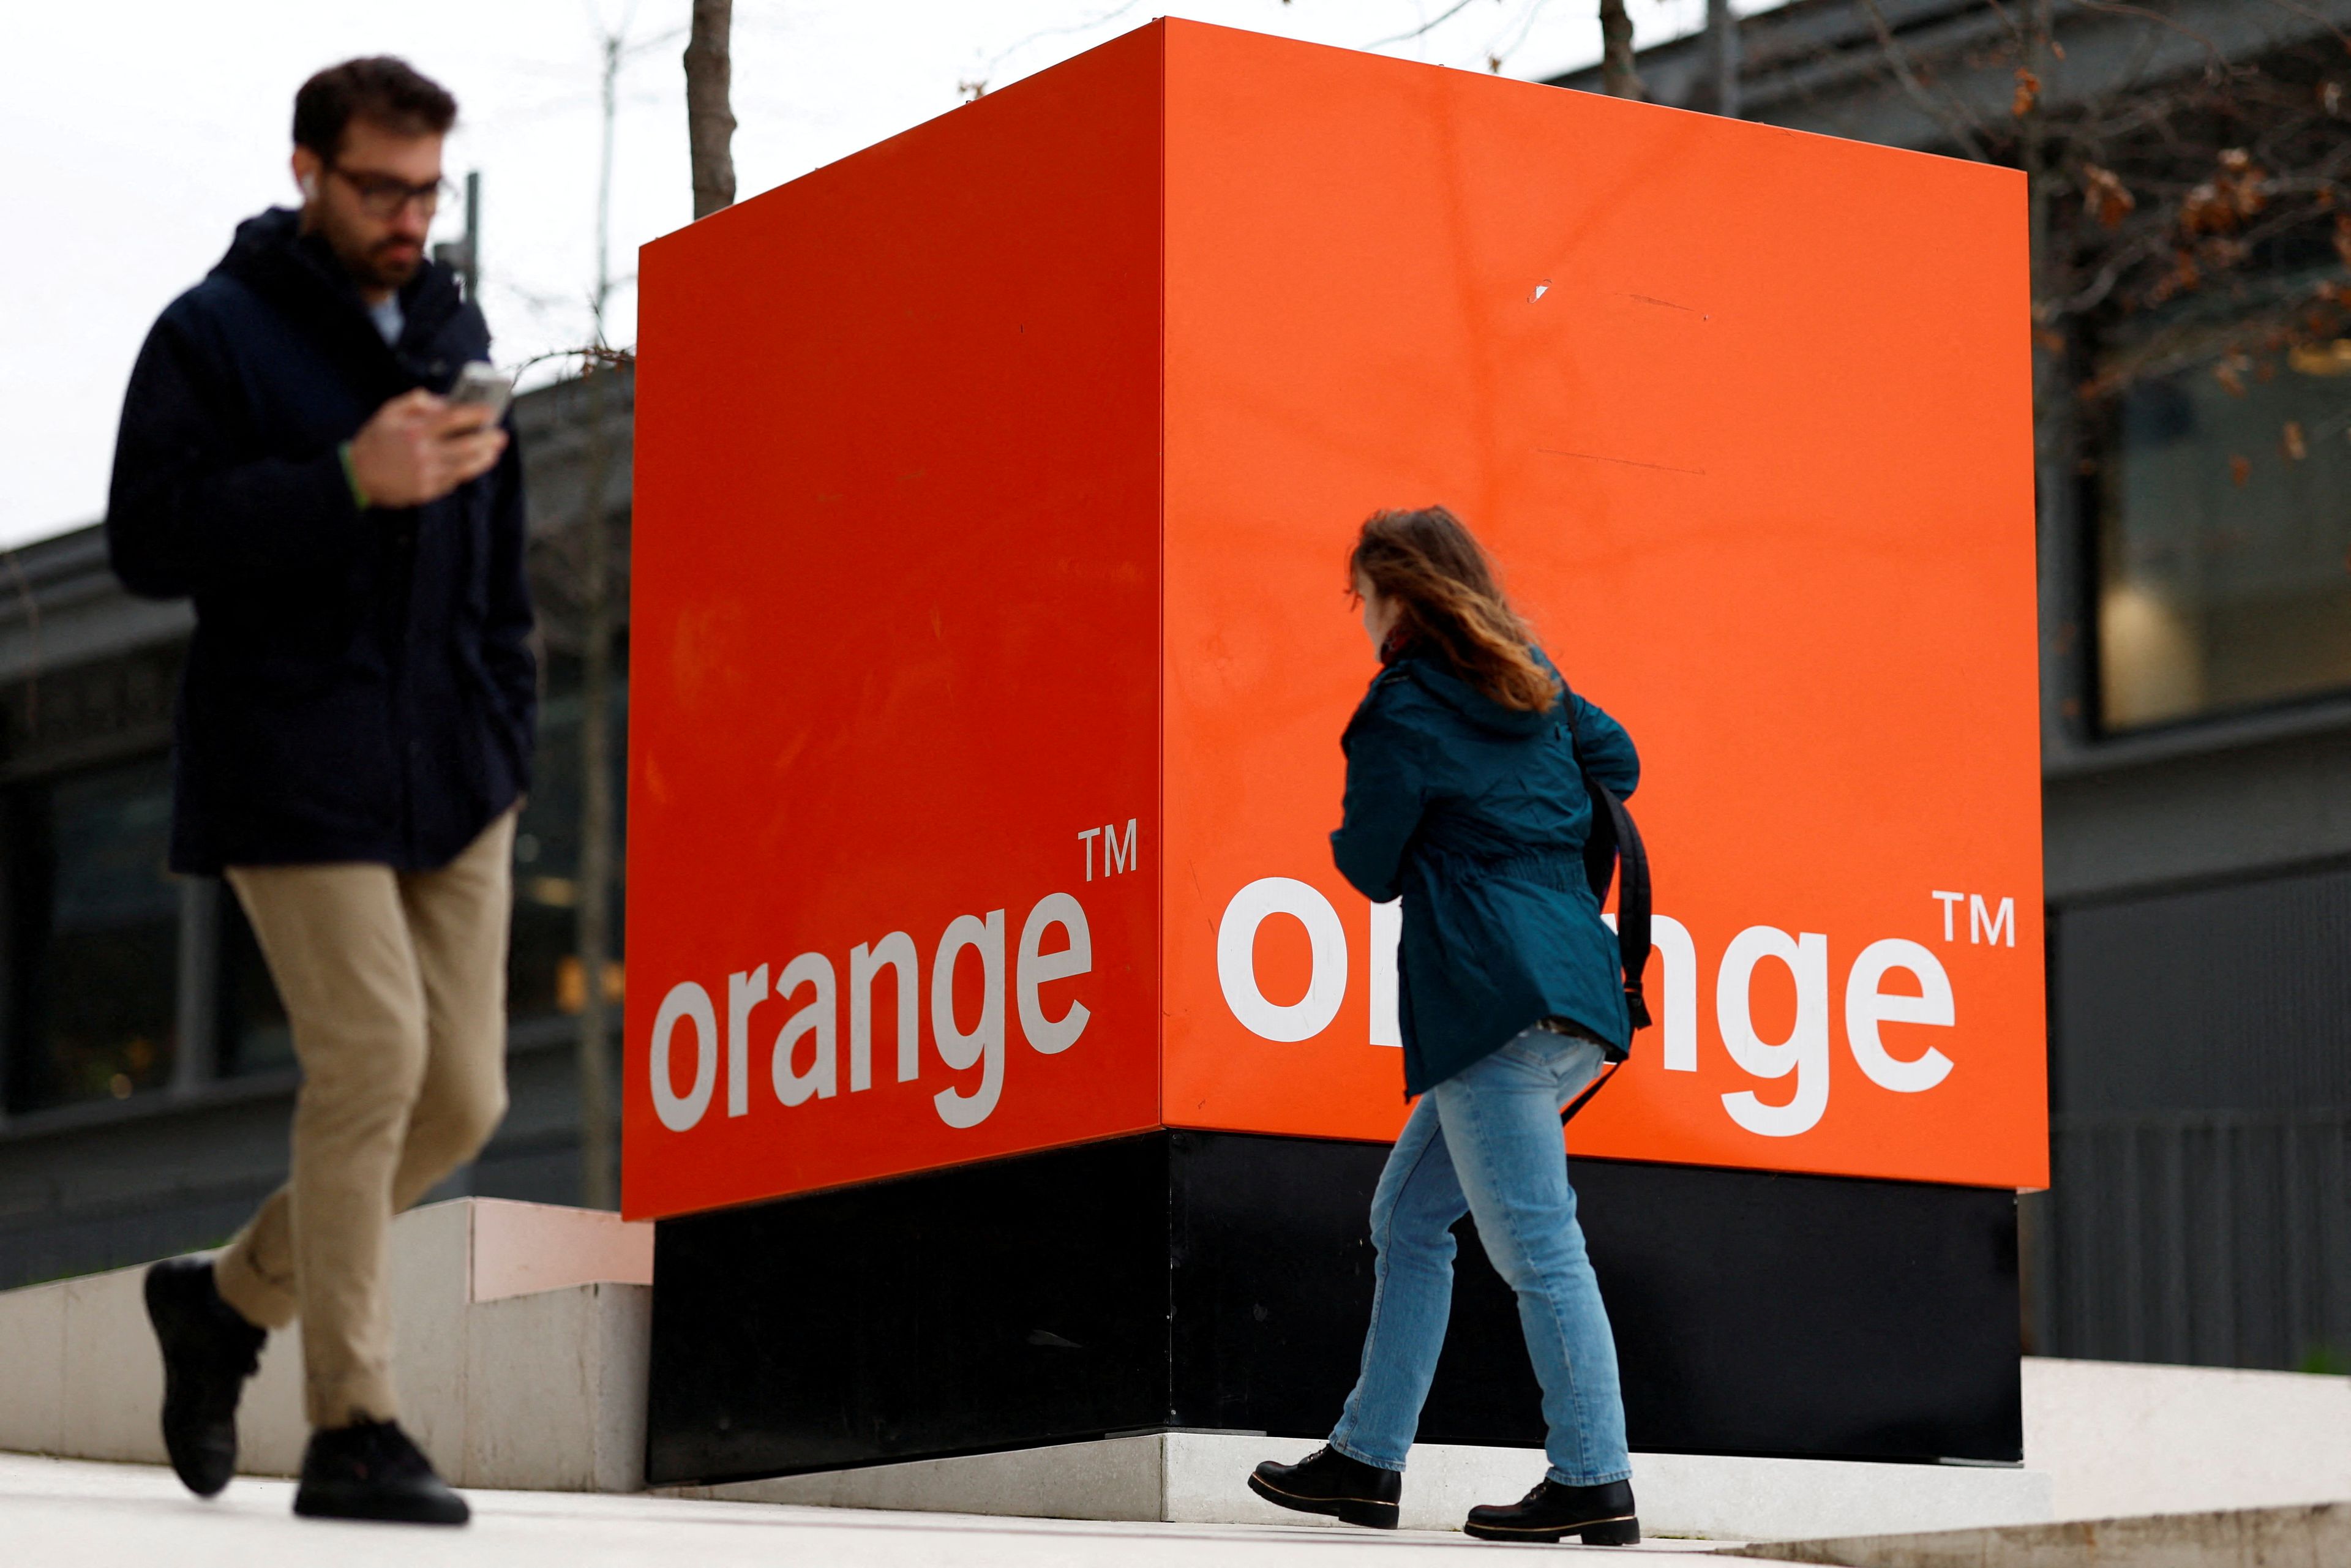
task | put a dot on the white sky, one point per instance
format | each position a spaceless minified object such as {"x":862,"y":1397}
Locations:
{"x":143,"y":130}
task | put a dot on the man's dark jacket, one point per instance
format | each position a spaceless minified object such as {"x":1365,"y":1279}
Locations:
{"x":361,"y":686}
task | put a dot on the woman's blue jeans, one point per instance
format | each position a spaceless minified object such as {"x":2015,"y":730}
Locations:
{"x":1486,"y":1142}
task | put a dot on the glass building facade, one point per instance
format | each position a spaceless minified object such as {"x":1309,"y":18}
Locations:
{"x":109,"y":957}
{"x":2224,"y":547}
{"x":94,"y":937}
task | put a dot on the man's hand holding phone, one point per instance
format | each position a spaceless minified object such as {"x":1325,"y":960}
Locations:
{"x":418,"y":447}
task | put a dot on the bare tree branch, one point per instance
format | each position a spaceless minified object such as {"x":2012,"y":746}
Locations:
{"x":1497,"y":54}
{"x":2117,"y":8}
{"x":1425,"y":28}
{"x":988,"y":73}
{"x":2126,"y":81}
{"x":1898,"y":61}
{"x":2294,"y":8}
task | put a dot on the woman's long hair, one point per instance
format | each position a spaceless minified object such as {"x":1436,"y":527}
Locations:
{"x":1427,"y":565}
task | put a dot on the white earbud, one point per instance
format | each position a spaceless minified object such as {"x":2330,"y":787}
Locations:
{"x":309,"y":187}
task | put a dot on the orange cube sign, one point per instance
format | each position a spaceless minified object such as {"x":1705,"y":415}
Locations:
{"x":990,"y":643}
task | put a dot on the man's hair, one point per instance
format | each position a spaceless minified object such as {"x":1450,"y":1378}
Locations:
{"x":379,"y":89}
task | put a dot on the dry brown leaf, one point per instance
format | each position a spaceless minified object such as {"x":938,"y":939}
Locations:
{"x":2293,"y":442}
{"x":2182,"y":278}
{"x":2220,"y":253}
{"x":2229,"y":373}
{"x":2218,"y":204}
{"x":2106,"y":197}
{"x":2028,"y":93}
{"x":2247,"y":182}
{"x":2239,"y":470}
{"x":2203,"y":210}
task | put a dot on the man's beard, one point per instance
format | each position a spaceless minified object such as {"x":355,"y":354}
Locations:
{"x":386,"y":264}
{"x":389,"y":265}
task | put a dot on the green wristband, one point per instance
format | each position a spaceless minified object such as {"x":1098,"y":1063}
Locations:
{"x":351,"y":477}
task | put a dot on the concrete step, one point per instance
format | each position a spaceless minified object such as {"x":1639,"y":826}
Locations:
{"x":2124,"y":1437}
{"x":520,"y":1333}
{"x":2316,"y":1535}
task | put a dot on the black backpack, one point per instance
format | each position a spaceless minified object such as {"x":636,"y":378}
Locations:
{"x":1614,"y":851}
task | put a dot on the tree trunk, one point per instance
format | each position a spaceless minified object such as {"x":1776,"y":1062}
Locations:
{"x":709,"y":111}
{"x":1616,"y":74}
{"x":599,"y":1162}
{"x":2053,"y":401}
{"x":1722,"y":55}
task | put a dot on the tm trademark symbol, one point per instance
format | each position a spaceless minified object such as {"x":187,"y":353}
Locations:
{"x":1117,"y":855}
{"x":1986,"y":925}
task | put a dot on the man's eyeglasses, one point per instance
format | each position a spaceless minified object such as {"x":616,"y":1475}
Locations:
{"x":382,"y":195}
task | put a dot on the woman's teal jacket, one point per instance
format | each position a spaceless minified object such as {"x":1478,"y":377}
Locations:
{"x":1476,"y":814}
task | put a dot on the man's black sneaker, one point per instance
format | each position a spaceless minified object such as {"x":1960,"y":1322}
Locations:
{"x":1327,"y":1481}
{"x":209,"y":1350}
{"x":371,"y":1470}
{"x":1601,"y":1515}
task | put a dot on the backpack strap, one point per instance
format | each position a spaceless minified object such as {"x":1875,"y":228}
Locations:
{"x":1614,"y":852}
{"x":1625,"y":855}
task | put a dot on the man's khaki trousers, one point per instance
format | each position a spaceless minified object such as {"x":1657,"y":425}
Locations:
{"x":395,"y":986}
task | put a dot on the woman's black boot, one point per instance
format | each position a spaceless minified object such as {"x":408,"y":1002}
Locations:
{"x":1600,"y":1515}
{"x":1328,"y":1481}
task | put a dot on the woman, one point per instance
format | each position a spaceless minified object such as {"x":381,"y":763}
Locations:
{"x":1466,"y":796}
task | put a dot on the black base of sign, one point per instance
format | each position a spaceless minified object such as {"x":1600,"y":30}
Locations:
{"x":1217,"y":1281}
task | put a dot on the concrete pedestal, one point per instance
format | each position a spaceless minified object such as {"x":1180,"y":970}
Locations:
{"x":1197,"y":1478}
{"x":519,"y":1332}
{"x":1213,"y":1283}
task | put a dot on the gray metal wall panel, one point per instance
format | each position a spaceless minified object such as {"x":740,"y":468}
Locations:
{"x":2234,"y":997}
{"x":2211,"y":1239}
{"x":2200,"y":1204}
{"x":2274,"y":802}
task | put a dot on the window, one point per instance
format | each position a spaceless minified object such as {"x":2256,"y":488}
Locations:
{"x":89,"y":969}
{"x":2224,"y":573}
{"x":95,"y":938}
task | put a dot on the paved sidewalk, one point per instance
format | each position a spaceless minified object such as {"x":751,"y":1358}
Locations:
{"x":75,"y":1514}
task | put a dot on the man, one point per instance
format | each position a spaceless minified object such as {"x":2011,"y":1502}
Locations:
{"x":354,"y":737}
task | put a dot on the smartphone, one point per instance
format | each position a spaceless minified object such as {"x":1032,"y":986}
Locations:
{"x":482,"y":383}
